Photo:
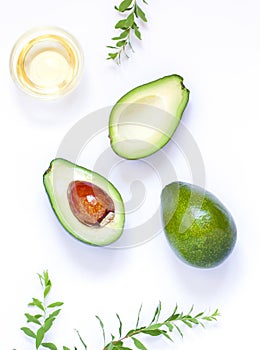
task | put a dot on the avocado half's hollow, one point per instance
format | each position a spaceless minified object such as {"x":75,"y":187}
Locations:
{"x":145,"y":118}
{"x":63,"y":181}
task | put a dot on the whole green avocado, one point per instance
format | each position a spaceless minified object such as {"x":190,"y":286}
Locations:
{"x":197,"y":225}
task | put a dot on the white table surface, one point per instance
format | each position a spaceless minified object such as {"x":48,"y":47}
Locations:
{"x":215,"y":47}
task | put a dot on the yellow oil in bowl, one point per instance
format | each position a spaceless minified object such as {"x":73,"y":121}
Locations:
{"x":46,"y":62}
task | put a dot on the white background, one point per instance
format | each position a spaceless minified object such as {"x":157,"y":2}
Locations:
{"x":215,"y":47}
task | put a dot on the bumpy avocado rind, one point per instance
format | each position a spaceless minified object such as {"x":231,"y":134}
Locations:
{"x":145,"y":118}
{"x":56,"y":182}
{"x":198,"y":227}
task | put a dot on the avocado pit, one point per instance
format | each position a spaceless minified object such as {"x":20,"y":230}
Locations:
{"x":90,"y":204}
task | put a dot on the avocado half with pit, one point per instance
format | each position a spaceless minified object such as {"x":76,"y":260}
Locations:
{"x":145,"y":118}
{"x":87,"y":205}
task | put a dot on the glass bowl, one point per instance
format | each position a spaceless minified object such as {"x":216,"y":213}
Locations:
{"x":46,"y":62}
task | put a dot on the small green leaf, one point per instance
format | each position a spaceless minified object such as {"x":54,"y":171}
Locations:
{"x":41,"y":278}
{"x":202,"y":324}
{"x":169,"y":326}
{"x":112,"y":56}
{"x":124,"y":5}
{"x":187,"y":323}
{"x":139,"y":344}
{"x":66,"y":348}
{"x":179,"y":331}
{"x":130,"y":20}
{"x":154,"y":326}
{"x":103,"y":328}
{"x":50,"y":346}
{"x":153,"y":332}
{"x":140,"y":13}
{"x":121,"y":43}
{"x":46,"y":278}
{"x":207,"y":318}
{"x":55,"y":313}
{"x":122,"y":24}
{"x":174,"y":316}
{"x":48,"y":323}
{"x":47,"y":290}
{"x":175,"y":309}
{"x":28,"y":332}
{"x":166,"y":335}
{"x":38,"y":316}
{"x":31,"y":318}
{"x":192,"y":307}
{"x":123,"y":35}
{"x":39,"y":337}
{"x":193,"y":320}
{"x":157,"y":313}
{"x":137,"y":32}
{"x":56,"y":304}
{"x":82,"y":341}
{"x":216,"y":313}
{"x":120,"y":325}
{"x":38,"y":303}
{"x":138,"y":316}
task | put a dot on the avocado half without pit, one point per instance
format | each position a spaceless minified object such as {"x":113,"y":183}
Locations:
{"x":198,"y":227}
{"x":144,"y":119}
{"x":87,"y":205}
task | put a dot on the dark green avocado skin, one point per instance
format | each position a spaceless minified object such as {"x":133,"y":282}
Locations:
{"x":197,"y":225}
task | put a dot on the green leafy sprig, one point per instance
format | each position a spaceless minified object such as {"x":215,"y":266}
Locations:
{"x":127,"y":26}
{"x":45,"y":314}
{"x":157,"y":328}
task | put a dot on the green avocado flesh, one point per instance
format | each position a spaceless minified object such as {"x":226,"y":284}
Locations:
{"x":197,"y":225}
{"x":87,"y":205}
{"x":144,"y":119}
